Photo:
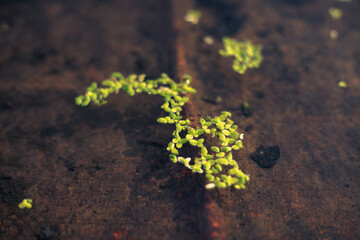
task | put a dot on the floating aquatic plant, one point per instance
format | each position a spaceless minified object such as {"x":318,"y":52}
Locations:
{"x":342,"y":84}
{"x":246,"y":54}
{"x":335,"y":13}
{"x":26,"y":203}
{"x":214,"y":160}
{"x":193,"y":16}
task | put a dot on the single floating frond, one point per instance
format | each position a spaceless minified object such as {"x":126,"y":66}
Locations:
{"x":342,"y":84}
{"x":335,"y":13}
{"x":26,"y":203}
{"x":192,"y":16}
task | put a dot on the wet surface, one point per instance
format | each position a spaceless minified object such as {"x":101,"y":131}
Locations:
{"x":266,"y":157}
{"x":103,"y":172}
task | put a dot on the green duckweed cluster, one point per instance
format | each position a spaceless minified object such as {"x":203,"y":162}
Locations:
{"x":246,"y":54}
{"x":215,"y":161}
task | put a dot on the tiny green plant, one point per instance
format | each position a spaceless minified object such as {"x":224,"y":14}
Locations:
{"x":335,"y":13}
{"x":214,"y":160}
{"x":26,"y":203}
{"x":246,"y":54}
{"x":342,"y":84}
{"x":192,"y":16}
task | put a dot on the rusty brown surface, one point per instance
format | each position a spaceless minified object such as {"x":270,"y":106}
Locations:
{"x":103,"y":172}
{"x":210,"y":217}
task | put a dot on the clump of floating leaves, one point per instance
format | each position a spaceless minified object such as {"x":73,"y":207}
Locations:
{"x":214,"y":160}
{"x":26,"y":203}
{"x":192,"y":16}
{"x":246,"y":54}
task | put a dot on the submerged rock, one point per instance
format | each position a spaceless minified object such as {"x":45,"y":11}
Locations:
{"x":266,"y":157}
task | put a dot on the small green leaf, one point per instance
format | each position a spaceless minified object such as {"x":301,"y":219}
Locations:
{"x":26,"y":203}
{"x":108,"y":83}
{"x":210,"y":177}
{"x":233,"y":127}
{"x":117,"y":75}
{"x":215,"y":149}
{"x":79,"y":100}
{"x":225,"y":132}
{"x":218,"y":167}
{"x":232,"y":171}
{"x":229,"y":156}
{"x":222,"y":137}
{"x":199,"y":131}
{"x":92,"y":87}
{"x":173,"y":158}
{"x":226,"y":149}
{"x":204,"y":151}
{"x":222,"y":161}
{"x":104,"y":92}
{"x":174,"y":151}
{"x":131,"y":91}
{"x":224,"y":143}
{"x":169,"y":120}
{"x":86,"y":101}
{"x":220,"y":125}
{"x":193,"y":142}
{"x":171,"y":145}
{"x":234,"y":180}
{"x":239,"y":144}
{"x":220,"y":185}
{"x":220,"y":154}
{"x":235,"y":147}
{"x":161,"y":120}
{"x":207,"y":165}
{"x":214,"y":170}
{"x":182,"y":122}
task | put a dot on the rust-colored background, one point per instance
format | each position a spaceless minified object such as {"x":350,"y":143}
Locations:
{"x":104,"y":173}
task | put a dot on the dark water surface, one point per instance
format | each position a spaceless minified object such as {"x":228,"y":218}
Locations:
{"x":103,"y":172}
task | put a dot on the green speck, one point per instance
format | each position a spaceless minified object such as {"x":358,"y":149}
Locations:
{"x":192,"y":16}
{"x":342,"y":84}
{"x":26,"y":203}
{"x":335,"y":13}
